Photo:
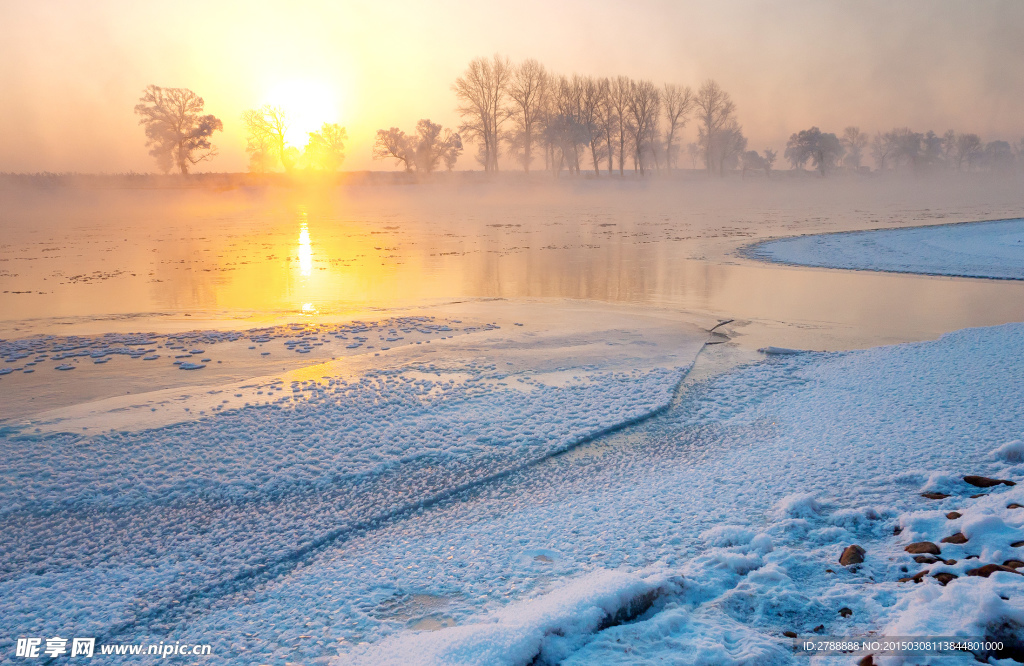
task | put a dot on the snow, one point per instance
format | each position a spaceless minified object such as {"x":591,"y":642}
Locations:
{"x":978,"y":249}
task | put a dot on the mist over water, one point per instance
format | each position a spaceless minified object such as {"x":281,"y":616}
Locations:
{"x":283,"y":252}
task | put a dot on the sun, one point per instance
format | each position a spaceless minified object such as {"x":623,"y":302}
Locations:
{"x":307,"y":105}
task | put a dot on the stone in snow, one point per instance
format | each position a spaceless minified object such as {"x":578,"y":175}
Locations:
{"x":851,"y":555}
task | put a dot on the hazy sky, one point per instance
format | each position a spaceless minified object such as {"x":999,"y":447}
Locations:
{"x":71,"y":72}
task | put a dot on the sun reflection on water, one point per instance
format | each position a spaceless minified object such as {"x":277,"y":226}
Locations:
{"x":305,"y":251}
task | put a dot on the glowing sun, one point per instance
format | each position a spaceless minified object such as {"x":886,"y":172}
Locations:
{"x":307,"y":105}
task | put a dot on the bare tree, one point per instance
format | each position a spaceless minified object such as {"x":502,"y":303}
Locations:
{"x":854,"y":141}
{"x":643,"y":107}
{"x":883,"y":149}
{"x":265,"y":128}
{"x":714,"y":112}
{"x":592,"y":97}
{"x":325,"y":150}
{"x":527,"y":87}
{"x":618,"y":96}
{"x":424,"y":152}
{"x":607,"y":120}
{"x":769,"y":161}
{"x":729,"y":145}
{"x":966,"y":150}
{"x":177,"y":132}
{"x":482,"y":93}
{"x":393,"y":143}
{"x":678,"y":103}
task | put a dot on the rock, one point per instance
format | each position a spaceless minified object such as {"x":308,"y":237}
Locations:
{"x":789,"y":634}
{"x":897,"y":529}
{"x":949,"y":562}
{"x":944,"y":577}
{"x":990,"y":569}
{"x":926,"y":559}
{"x":1014,"y":505}
{"x":986,"y":482}
{"x":979,"y":495}
{"x":845,"y":612}
{"x":955,"y":538}
{"x":953,"y":515}
{"x":818,"y":629}
{"x":851,"y":555}
{"x":829,"y":571}
{"x":1013,"y":564}
{"x":923,"y":548}
{"x":1017,"y":544}
{"x":916,"y":577}
{"x":867,"y":661}
{"x":934,"y":495}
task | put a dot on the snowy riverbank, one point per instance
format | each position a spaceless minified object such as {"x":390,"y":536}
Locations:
{"x":975,"y":249}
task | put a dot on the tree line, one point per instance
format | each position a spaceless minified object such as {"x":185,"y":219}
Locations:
{"x":538,"y":119}
{"x":576,"y":123}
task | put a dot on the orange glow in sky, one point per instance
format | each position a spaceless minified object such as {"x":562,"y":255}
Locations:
{"x":71,"y":73}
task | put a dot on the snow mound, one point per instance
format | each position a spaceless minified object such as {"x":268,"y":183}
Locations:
{"x":1010,"y":452}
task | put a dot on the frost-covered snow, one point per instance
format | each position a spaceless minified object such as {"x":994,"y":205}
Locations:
{"x":699,"y":535}
{"x":978,"y":249}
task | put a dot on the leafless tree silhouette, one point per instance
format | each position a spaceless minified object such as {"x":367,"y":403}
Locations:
{"x":678,"y":101}
{"x":482,"y":92}
{"x":177,"y":132}
{"x":714,"y":112}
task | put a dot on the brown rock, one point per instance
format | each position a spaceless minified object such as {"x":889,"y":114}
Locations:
{"x":845,"y":612}
{"x":916,"y":577}
{"x":979,"y":495}
{"x":789,"y":634}
{"x":926,"y":559}
{"x":923,"y":548}
{"x":867,"y":661}
{"x":986,"y":482}
{"x":1014,"y":505}
{"x":851,"y":555}
{"x":949,"y":562}
{"x":955,"y":538}
{"x":934,"y":495}
{"x":818,"y":629}
{"x":1013,"y":564}
{"x":944,"y":577}
{"x":953,"y":515}
{"x":990,"y":569}
{"x":1017,"y":544}
{"x":897,"y":529}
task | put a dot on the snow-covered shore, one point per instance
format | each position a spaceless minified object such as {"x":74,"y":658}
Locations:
{"x":975,"y":249}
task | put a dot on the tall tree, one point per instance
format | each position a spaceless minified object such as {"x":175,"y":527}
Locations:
{"x":966,"y":150}
{"x":714,"y":109}
{"x":644,"y":106}
{"x":618,"y":96}
{"x":265,"y":130}
{"x":177,"y":132}
{"x":429,"y":148}
{"x":607,"y":121}
{"x":591,"y":99}
{"x":678,"y":103}
{"x":325,"y":150}
{"x":527,"y":87}
{"x":822,"y":148}
{"x":854,"y":141}
{"x":482,"y":92}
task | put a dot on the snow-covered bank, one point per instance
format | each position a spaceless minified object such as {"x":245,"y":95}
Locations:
{"x":747,"y":492}
{"x":135,"y":531}
{"x":977,"y":249}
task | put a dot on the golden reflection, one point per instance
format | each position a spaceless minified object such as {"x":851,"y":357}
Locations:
{"x":305,"y":251}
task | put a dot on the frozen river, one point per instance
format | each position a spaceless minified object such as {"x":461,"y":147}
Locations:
{"x":446,"y":426}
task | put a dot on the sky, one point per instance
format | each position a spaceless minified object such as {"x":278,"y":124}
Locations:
{"x":71,"y":72}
